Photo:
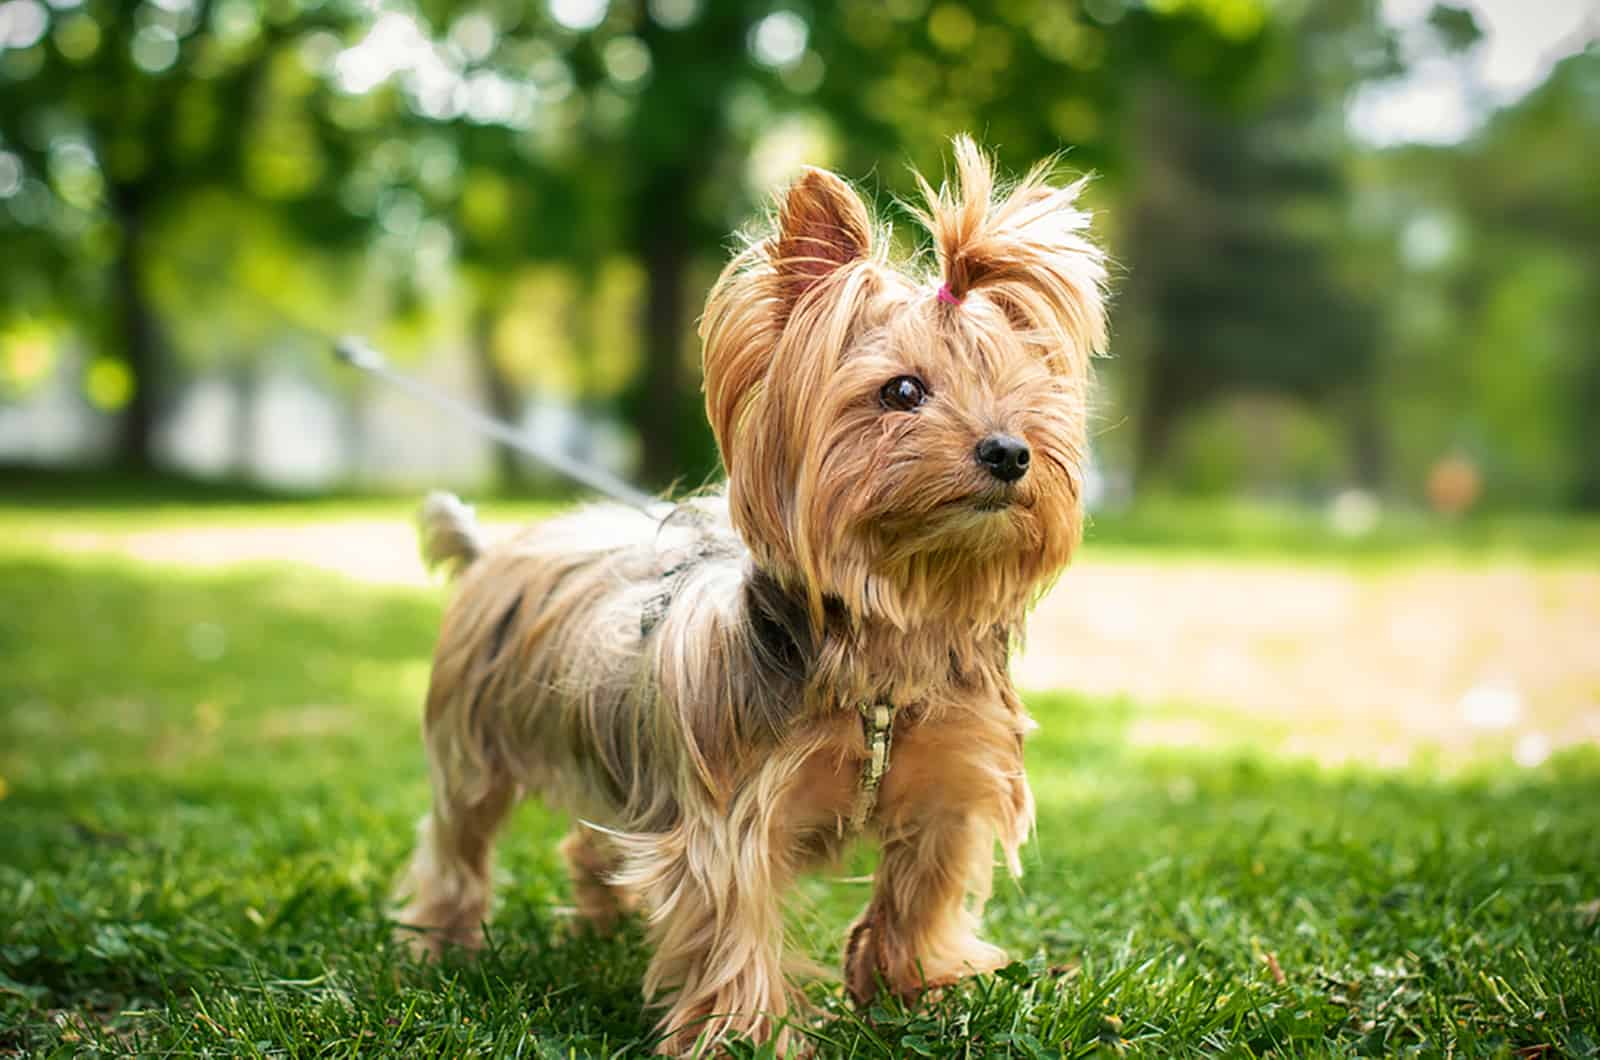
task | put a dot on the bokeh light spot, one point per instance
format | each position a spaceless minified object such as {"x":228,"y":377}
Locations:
{"x":579,"y":15}
{"x":76,"y":174}
{"x":236,"y":21}
{"x":26,"y":358}
{"x":674,"y":14}
{"x":10,"y":174}
{"x":779,"y":39}
{"x":627,"y":59}
{"x":474,"y":34}
{"x":77,"y":37}
{"x":154,"y":49}
{"x":22,"y":23}
{"x":108,"y":384}
{"x":952,"y":27}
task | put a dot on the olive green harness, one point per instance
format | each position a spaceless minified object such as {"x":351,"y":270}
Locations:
{"x":877,"y":719}
{"x":877,"y":724}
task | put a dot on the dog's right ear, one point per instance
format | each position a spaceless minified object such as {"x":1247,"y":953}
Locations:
{"x":822,"y":226}
{"x":822,"y":230}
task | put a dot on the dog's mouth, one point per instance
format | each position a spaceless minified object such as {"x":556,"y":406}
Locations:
{"x":997,"y":500}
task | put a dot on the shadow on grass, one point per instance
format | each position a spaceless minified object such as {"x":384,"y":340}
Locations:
{"x":211,"y":783}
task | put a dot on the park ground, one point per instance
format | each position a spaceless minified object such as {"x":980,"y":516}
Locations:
{"x":1298,"y":795}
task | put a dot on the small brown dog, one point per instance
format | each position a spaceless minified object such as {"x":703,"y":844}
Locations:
{"x":715,"y":697}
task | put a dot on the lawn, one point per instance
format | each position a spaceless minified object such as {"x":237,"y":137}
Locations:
{"x":208,"y":781}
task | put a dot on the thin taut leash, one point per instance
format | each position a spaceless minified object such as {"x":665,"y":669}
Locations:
{"x":357,"y":352}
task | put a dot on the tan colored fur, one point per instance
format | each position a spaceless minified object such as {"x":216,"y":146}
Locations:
{"x":689,"y":690}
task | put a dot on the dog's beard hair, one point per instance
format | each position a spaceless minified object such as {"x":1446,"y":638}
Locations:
{"x":690,"y":691}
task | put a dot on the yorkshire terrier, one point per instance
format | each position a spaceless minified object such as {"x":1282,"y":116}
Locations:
{"x":723,"y":698}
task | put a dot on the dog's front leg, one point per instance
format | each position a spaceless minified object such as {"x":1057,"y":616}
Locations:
{"x":921,"y":928}
{"x":713,"y":889}
{"x":949,"y":797}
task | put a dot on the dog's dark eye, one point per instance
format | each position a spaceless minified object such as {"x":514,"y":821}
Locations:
{"x":903,"y":393}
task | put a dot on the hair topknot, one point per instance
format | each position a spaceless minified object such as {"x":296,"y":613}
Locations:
{"x":1027,"y":249}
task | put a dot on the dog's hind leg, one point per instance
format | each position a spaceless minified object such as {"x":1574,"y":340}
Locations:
{"x":591,"y":866}
{"x":448,"y":883}
{"x":474,"y":784}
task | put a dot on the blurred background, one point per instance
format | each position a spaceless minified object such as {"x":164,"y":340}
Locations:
{"x":1357,"y":292}
{"x":1358,"y":243}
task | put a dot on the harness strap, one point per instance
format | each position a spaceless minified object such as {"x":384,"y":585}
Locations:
{"x":877,"y":719}
{"x":877,"y":723}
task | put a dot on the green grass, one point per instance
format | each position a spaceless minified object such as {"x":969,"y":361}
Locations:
{"x":1273,"y":530}
{"x":210,"y":782}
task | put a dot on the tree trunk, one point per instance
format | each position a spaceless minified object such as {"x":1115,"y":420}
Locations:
{"x":1158,"y":415}
{"x":1586,"y":422}
{"x":1369,"y":448}
{"x":135,"y":334}
{"x":505,"y":403}
{"x":244,"y":381}
{"x":665,"y":252}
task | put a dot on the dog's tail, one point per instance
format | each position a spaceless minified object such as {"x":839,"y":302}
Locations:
{"x":448,"y":532}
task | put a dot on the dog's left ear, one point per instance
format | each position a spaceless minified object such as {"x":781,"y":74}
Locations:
{"x":822,"y":226}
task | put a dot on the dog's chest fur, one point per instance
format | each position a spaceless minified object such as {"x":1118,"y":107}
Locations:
{"x":798,"y":689}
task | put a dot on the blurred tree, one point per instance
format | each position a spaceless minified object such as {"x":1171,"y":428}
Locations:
{"x":1536,"y":184}
{"x":237,"y":287}
{"x":1031,"y":78}
{"x":1498,"y":294}
{"x":188,"y":170}
{"x":656,"y":117}
{"x":116,"y":114}
{"x":625,"y":147}
{"x":1236,"y":210}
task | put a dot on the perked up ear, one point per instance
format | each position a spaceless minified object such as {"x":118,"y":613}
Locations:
{"x":822,"y":225}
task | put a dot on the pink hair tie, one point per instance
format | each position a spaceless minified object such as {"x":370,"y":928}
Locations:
{"x":946,"y":297}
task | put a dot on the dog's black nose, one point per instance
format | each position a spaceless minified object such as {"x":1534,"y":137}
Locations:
{"x":1004,"y":457}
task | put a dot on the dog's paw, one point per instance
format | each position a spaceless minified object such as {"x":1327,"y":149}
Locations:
{"x":863,"y":969}
{"x":872,"y":962}
{"x":430,"y":938}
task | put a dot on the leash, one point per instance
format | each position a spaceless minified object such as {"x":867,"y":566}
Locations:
{"x":358,"y":353}
{"x":877,"y":719}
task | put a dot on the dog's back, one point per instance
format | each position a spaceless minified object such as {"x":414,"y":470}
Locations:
{"x":546,"y":654}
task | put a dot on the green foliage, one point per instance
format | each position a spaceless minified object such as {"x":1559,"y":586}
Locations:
{"x":1496,"y":326}
{"x":121,"y":116}
{"x":1257,"y":444}
{"x":210,"y":782}
{"x":1235,"y":222}
{"x":211,"y":187}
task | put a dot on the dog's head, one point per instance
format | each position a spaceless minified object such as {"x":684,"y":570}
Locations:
{"x":901,"y":441}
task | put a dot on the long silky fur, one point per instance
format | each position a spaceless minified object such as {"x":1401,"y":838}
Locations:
{"x":689,"y":691}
